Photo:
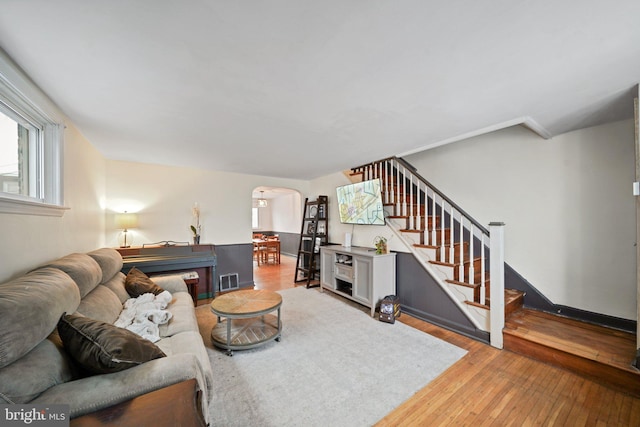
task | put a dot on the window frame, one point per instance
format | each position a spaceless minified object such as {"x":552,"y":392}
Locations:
{"x":22,"y":96}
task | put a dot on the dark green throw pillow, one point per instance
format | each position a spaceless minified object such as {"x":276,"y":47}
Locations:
{"x":137,"y":283}
{"x":103,"y":348}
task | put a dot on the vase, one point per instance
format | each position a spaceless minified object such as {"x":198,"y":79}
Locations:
{"x":196,"y":239}
{"x":381,"y":248}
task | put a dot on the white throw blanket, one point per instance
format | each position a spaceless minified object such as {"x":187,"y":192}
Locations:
{"x":142,"y":315}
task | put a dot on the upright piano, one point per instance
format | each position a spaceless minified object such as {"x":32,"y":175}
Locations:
{"x":197,"y":263}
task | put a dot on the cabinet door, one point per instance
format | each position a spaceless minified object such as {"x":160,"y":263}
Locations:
{"x":362,"y":268}
{"x":327,"y":273}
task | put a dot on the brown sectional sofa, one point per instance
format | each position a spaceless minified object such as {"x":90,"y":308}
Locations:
{"x":36,"y":368}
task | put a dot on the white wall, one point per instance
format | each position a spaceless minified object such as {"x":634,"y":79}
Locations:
{"x":163,"y":197}
{"x":283,"y":213}
{"x":286,"y":213}
{"x":30,"y":240}
{"x":566,"y":202}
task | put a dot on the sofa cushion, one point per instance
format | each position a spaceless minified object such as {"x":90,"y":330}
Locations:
{"x":47,"y":365}
{"x":30,"y":307}
{"x":103,"y":348}
{"x":109,"y":260}
{"x":183,"y":316}
{"x":190,"y":342}
{"x":83,"y":269}
{"x":101,"y":304}
{"x":138,"y":283}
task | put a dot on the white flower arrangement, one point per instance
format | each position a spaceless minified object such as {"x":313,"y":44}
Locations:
{"x":196,"y":228}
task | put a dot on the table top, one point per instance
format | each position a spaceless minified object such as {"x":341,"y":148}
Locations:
{"x":248,"y":302}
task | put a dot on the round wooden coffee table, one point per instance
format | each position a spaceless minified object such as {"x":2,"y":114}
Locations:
{"x":247,"y":323}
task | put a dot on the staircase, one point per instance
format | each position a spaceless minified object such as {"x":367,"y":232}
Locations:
{"x":451,"y":246}
{"x":454,"y":249}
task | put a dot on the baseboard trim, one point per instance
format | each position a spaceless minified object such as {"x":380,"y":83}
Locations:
{"x":476,"y":334}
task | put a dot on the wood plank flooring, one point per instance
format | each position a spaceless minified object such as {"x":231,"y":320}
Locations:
{"x":490,"y":387}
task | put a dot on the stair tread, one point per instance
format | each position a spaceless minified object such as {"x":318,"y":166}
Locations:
{"x":477,"y":304}
{"x":423,"y":246}
{"x":453,"y":264}
{"x":468,"y":285}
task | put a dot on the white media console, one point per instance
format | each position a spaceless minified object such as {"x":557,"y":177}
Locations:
{"x":358,"y":274}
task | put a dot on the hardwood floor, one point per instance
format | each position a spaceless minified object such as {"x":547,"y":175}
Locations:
{"x":490,"y":387}
{"x":275,"y":276}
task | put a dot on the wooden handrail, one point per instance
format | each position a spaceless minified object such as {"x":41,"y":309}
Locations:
{"x":428,"y":184}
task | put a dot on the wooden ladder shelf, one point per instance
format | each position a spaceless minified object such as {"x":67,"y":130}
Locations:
{"x":313,"y":234}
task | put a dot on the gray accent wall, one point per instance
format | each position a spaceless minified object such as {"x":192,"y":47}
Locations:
{"x":421,"y":296}
{"x":288,"y":242}
{"x":235,"y":258}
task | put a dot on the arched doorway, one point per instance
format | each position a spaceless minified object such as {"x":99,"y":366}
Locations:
{"x":280,"y":214}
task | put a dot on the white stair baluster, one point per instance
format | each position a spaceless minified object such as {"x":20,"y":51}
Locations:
{"x":442,"y":223}
{"x":461,"y":251}
{"x":433,"y":218}
{"x":418,"y":206}
{"x":397,"y":190}
{"x":451,"y":251}
{"x":483,"y":284}
{"x":471,"y":257}
{"x":412,"y":222}
{"x":386,"y":181}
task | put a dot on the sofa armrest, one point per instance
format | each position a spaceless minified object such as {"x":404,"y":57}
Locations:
{"x":177,"y":404}
{"x":98,"y":392}
{"x":173,"y":283}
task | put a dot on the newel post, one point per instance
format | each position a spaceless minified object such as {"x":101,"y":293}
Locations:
{"x":496,"y":267}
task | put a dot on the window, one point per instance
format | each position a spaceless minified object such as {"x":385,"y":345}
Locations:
{"x":19,"y":152}
{"x":255,"y":222}
{"x":30,"y":146}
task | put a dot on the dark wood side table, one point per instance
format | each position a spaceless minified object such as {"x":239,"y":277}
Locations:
{"x":192,"y":285}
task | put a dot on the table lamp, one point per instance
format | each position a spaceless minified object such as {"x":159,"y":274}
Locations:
{"x":125,"y":221}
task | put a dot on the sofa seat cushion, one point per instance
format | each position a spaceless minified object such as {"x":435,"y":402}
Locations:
{"x":30,"y":307}
{"x":103,"y":348}
{"x":24,"y":379}
{"x":183,"y":316}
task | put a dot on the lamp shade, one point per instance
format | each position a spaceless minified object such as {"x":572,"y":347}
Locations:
{"x":262,"y":202}
{"x":126,"y":220}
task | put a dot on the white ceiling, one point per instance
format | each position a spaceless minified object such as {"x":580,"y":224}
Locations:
{"x":301,"y":88}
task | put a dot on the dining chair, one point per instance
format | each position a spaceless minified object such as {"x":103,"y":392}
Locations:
{"x":272,"y":251}
{"x":259,"y":252}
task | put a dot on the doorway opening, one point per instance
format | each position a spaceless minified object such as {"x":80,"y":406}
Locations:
{"x":277,"y":212}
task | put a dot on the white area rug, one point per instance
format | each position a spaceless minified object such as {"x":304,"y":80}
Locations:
{"x":335,"y":366}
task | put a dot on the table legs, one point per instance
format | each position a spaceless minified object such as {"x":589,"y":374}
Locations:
{"x":246,"y":332}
